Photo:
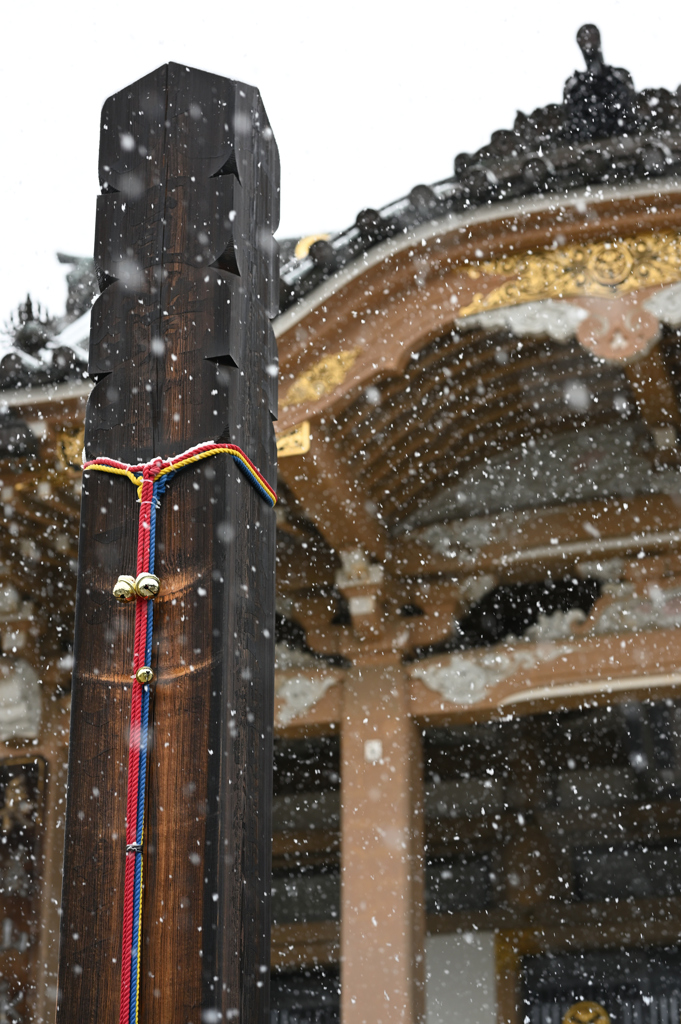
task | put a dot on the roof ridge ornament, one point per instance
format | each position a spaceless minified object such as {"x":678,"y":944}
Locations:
{"x":601,"y":101}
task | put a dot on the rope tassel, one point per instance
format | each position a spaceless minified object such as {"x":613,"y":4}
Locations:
{"x":150,"y":479}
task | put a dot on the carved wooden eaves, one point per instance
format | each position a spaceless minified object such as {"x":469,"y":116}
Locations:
{"x":612,"y":262}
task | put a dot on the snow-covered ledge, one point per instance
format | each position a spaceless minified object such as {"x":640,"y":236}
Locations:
{"x":20,"y":702}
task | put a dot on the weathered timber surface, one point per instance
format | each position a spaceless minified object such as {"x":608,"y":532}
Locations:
{"x":183,"y":352}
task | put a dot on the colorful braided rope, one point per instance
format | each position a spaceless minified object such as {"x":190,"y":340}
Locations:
{"x":150,"y":479}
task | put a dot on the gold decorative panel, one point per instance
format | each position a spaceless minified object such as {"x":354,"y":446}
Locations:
{"x":295,"y":441}
{"x":586,"y":1012}
{"x":70,"y":444}
{"x":303,"y":245}
{"x":322,"y":378}
{"x":603,"y":269}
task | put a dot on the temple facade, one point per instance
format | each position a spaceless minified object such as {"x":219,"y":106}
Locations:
{"x":477,"y":803}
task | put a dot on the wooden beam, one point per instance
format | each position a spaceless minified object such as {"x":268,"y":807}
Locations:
{"x":305,"y":944}
{"x":330,"y":496}
{"x":560,"y":925}
{"x":555,"y":539}
{"x":182,"y":351}
{"x":320,"y":847}
{"x":319,"y":718}
{"x":556,"y":676}
{"x":387,"y":311}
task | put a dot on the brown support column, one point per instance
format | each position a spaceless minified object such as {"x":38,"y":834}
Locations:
{"x":383,"y":912}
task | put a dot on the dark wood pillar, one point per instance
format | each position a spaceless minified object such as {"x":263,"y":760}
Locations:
{"x":183,"y":352}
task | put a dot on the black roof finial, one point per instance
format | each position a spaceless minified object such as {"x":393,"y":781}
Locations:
{"x":589,"y":41}
{"x":601,"y":101}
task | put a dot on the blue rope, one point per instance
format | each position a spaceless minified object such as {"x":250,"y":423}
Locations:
{"x":159,"y":486}
{"x":256,"y":483}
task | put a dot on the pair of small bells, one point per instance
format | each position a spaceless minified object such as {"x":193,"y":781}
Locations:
{"x":127,"y":588}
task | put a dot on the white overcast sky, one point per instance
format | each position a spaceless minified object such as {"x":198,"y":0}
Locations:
{"x":367,"y":98}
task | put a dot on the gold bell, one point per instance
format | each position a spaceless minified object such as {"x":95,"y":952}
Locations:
{"x":124,"y":588}
{"x":144,"y":675}
{"x":147,"y":585}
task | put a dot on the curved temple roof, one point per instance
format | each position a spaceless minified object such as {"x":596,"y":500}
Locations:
{"x":603,"y":133}
{"x":477,"y":373}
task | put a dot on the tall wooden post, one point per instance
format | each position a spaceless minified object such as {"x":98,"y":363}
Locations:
{"x":383,"y":913}
{"x":183,"y":352}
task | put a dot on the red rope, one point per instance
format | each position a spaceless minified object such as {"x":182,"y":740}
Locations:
{"x":143,"y":535}
{"x":148,"y":474}
{"x":128,"y":901}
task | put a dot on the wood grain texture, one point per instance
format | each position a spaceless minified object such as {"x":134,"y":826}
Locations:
{"x":183,"y":352}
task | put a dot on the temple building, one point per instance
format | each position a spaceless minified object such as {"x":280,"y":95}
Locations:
{"x":477,"y":795}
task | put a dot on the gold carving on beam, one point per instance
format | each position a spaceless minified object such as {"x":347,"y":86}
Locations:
{"x":321,"y":379}
{"x":70,"y":445}
{"x":603,"y":269}
{"x":303,"y":245}
{"x":295,"y":441}
{"x":586,"y":1013}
